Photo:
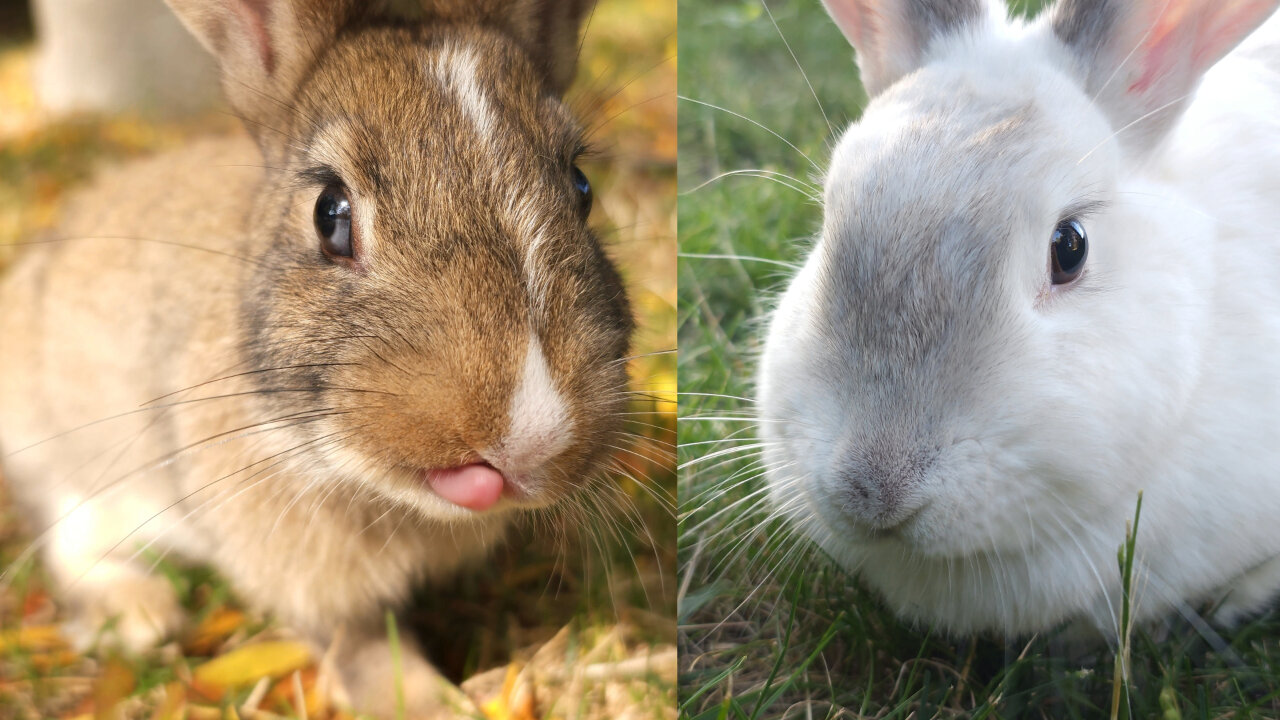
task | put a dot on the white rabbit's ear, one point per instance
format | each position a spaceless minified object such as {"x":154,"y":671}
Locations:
{"x":263,"y":46}
{"x":892,"y":36}
{"x":1142,"y":59}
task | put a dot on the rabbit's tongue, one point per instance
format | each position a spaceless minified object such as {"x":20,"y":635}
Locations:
{"x":475,"y":487}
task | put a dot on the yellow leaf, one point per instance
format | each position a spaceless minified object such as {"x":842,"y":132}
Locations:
{"x":495,"y":709}
{"x":34,"y":637}
{"x":245,"y":666}
{"x":498,"y":707}
{"x":175,"y":701}
{"x":217,"y":627}
{"x":664,"y":388}
{"x":113,"y":685}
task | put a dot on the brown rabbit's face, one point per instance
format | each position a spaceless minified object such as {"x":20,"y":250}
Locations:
{"x":426,"y":264}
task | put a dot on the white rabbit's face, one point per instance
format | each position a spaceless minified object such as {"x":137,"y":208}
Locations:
{"x":934,"y":385}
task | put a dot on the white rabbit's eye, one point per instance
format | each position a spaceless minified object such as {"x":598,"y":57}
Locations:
{"x":583,"y":186}
{"x":333,"y":222}
{"x":1068,"y":251}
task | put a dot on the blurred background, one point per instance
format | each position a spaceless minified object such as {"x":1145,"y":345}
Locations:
{"x":85,"y":83}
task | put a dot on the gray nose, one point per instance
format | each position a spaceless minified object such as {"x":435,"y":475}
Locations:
{"x":881,"y":487}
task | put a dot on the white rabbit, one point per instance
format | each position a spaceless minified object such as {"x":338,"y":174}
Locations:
{"x":1045,"y":282}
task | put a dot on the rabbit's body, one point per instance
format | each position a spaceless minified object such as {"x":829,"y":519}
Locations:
{"x":335,"y":361}
{"x":968,"y":432}
{"x":128,"y":482}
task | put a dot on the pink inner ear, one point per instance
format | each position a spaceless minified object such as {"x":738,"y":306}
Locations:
{"x":856,"y":20}
{"x":1216,"y":27}
{"x":1159,"y":45}
{"x":255,"y":16}
{"x":1223,"y":29}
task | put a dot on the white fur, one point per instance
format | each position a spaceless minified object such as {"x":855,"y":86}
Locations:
{"x":1157,"y":372}
{"x":455,"y":67}
{"x":528,"y":222}
{"x":540,"y":423}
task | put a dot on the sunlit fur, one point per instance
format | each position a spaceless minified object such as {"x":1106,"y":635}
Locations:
{"x":970,"y":439}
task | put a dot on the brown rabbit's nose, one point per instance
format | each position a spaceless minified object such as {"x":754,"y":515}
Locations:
{"x":540,"y":424}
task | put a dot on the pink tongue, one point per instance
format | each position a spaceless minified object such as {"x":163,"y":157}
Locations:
{"x":475,"y":487}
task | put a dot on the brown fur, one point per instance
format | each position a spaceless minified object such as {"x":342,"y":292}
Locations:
{"x":200,"y":272}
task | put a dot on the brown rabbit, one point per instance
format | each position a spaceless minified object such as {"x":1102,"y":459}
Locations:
{"x":334,"y":362}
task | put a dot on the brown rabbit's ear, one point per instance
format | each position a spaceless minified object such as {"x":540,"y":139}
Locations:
{"x":263,"y":46}
{"x":547,"y":29}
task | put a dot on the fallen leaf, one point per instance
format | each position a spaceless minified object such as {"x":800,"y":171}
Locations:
{"x":113,"y":685}
{"x":175,"y":702}
{"x":283,"y":698}
{"x":246,"y":665}
{"x":217,"y":627}
{"x":509,"y":703}
{"x":32,"y":638}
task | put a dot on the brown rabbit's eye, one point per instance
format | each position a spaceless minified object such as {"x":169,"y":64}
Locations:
{"x":583,"y":186}
{"x":1068,"y":251}
{"x":333,"y":222}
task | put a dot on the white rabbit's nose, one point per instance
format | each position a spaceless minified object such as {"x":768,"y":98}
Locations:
{"x":881,"y":488}
{"x":540,"y":425}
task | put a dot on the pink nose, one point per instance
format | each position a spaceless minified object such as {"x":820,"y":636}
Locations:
{"x":476,"y":486}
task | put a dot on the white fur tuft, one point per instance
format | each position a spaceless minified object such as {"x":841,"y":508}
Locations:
{"x":540,"y":424}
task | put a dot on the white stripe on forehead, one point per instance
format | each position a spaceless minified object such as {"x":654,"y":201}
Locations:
{"x":455,"y":67}
{"x":530,"y":232}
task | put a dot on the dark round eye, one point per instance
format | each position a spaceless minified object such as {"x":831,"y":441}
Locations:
{"x":1067,"y":251}
{"x":583,"y":186}
{"x":333,"y":222}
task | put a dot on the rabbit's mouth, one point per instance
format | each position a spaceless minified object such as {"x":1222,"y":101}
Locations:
{"x":907,"y":530}
{"x":900,"y":529}
{"x":475,"y":486}
{"x":480,"y":487}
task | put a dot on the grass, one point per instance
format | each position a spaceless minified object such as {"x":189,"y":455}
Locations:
{"x":768,"y":627}
{"x":524,"y":636}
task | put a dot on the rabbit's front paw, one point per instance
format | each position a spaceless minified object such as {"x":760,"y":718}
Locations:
{"x":121,"y":606}
{"x":369,"y":674}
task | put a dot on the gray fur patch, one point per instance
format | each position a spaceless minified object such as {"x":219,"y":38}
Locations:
{"x":906,"y":265}
{"x":931,"y":19}
{"x":1084,"y":26}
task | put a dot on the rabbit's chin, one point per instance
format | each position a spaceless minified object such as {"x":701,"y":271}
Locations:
{"x":957,"y":561}
{"x":1008,"y":594}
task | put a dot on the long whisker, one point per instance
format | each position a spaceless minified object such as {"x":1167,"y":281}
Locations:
{"x":750,"y":258}
{"x":283,"y":457}
{"x":787,"y":181}
{"x":179,"y":403}
{"x":757,"y":124}
{"x":155,"y":241}
{"x":830,"y":130}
